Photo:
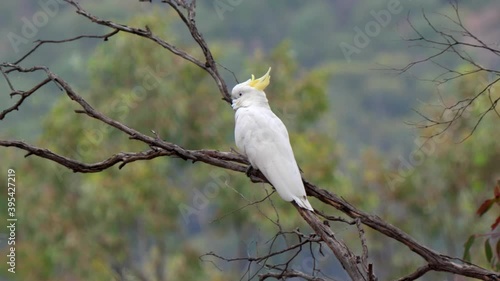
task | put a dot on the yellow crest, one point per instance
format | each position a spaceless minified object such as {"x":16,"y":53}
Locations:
{"x":262,"y":82}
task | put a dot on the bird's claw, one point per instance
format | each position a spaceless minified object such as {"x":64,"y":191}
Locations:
{"x":249,"y":170}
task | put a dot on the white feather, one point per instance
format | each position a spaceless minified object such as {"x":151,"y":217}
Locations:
{"x":263,"y":138}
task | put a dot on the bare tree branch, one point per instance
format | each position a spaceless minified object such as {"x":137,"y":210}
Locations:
{"x":437,"y":261}
{"x":458,"y":43}
{"x":209,"y":65}
{"x":364,"y":256}
{"x":24,"y":95}
{"x":290,"y":274}
{"x":123,"y":157}
{"x":348,"y":259}
{"x":263,"y":260}
{"x":41,"y":42}
{"x":357,"y":267}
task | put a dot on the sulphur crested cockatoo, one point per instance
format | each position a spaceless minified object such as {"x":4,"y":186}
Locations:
{"x":263,"y":139}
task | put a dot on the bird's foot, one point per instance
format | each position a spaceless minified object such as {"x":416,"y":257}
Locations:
{"x":250,"y":169}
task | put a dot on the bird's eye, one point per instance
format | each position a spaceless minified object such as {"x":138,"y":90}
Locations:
{"x":241,"y":94}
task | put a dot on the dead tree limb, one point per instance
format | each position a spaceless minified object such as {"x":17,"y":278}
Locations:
{"x":459,"y":42}
{"x":356,"y":267}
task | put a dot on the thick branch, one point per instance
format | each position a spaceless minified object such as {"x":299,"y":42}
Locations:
{"x":231,"y":161}
{"x":348,"y":260}
{"x":227,"y":160}
{"x":123,"y":157}
{"x":209,"y":65}
{"x":435,"y":260}
{"x":289,"y":274}
{"x":195,"y":33}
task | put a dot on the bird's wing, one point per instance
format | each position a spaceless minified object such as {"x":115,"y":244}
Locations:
{"x":263,"y":138}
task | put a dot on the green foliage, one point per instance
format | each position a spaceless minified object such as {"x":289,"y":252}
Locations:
{"x":493,"y":258}
{"x":440,"y":182}
{"x":130,"y":220}
{"x":345,"y":123}
{"x":467,"y":246}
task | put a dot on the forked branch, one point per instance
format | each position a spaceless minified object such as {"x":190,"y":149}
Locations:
{"x":356,"y":266}
{"x":459,"y":42}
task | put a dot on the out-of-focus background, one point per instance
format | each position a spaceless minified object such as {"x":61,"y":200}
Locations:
{"x":346,"y":113}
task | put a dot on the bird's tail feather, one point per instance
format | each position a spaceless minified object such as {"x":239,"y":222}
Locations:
{"x":303,"y":203}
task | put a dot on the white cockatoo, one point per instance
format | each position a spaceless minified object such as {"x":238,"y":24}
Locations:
{"x":263,"y":139}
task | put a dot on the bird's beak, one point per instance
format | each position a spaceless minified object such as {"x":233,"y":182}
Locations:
{"x":262,"y":82}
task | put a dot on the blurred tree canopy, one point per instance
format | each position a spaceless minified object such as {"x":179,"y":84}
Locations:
{"x":144,"y":217}
{"x":155,"y":218}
